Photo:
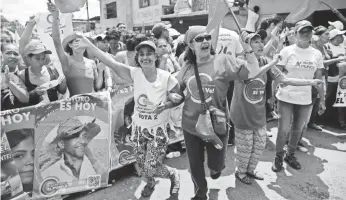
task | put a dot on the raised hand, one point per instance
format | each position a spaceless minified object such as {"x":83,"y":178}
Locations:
{"x":53,"y":9}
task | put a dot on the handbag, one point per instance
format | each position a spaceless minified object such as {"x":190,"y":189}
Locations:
{"x":204,"y":125}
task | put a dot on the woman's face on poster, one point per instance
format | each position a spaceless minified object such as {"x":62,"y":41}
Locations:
{"x":23,"y":155}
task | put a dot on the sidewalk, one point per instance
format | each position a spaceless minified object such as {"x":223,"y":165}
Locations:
{"x":322,"y":176}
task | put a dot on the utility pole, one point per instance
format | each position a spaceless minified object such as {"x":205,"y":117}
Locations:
{"x":88,"y":23}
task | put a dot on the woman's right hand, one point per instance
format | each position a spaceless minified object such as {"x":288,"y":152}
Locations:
{"x":53,"y":9}
{"x":316,"y":82}
{"x":83,"y":42}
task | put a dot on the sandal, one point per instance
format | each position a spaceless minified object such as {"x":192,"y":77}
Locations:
{"x":147,"y":190}
{"x":246,"y":179}
{"x":255,"y":175}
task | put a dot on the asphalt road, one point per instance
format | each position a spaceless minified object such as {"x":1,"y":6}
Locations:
{"x":322,"y":176}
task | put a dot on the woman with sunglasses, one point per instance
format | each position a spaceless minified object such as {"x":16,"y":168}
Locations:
{"x":215,"y":71}
{"x":249,"y":126}
{"x":294,"y":103}
{"x":151,"y":111}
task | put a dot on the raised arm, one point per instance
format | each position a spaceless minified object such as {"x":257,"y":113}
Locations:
{"x":56,"y":37}
{"x":122,"y":70}
{"x":26,"y":35}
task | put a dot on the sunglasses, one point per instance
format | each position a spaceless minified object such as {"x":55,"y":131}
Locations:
{"x":201,"y":38}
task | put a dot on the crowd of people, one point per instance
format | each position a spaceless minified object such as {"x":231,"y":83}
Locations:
{"x":287,"y":72}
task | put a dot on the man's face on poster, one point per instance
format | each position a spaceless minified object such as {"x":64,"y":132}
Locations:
{"x":76,"y":146}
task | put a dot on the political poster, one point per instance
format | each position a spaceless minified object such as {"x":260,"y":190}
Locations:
{"x":72,"y":145}
{"x":18,"y":128}
{"x":340,"y":100}
{"x":122,"y":109}
{"x":44,"y":30}
{"x":11,"y":184}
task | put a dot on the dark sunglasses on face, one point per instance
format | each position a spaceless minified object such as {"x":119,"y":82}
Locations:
{"x":202,"y":37}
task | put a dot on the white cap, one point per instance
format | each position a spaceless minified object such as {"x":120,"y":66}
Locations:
{"x":335,"y":32}
{"x":337,"y":24}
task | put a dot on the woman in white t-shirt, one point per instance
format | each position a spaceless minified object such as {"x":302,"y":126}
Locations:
{"x":151,"y":113}
{"x":294,"y":102}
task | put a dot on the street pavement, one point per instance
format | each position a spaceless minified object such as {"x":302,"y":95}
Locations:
{"x":322,"y":176}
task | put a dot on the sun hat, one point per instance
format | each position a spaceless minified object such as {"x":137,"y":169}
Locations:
{"x":337,"y":24}
{"x":146,"y":43}
{"x":333,"y":33}
{"x":302,"y":24}
{"x":70,"y":38}
{"x":319,"y":30}
{"x":36,"y":47}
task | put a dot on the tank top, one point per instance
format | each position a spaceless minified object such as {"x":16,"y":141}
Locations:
{"x":80,"y":76}
{"x":52,"y":93}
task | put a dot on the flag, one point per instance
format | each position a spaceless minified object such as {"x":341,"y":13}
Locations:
{"x":69,"y":6}
{"x":220,"y":12}
{"x":303,"y":10}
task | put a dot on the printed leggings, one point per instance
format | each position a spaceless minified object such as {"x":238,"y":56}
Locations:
{"x":150,"y":152}
{"x":250,"y":145}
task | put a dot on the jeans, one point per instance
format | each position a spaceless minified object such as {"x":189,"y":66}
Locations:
{"x":195,"y":152}
{"x":293,"y":118}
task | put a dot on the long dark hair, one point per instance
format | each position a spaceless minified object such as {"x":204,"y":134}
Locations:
{"x":132,"y":40}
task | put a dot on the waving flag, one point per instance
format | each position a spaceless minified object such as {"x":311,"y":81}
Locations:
{"x":220,"y":12}
{"x":303,"y":10}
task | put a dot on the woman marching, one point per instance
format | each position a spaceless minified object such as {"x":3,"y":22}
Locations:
{"x":215,"y":71}
{"x":248,"y":112}
{"x":151,"y":111}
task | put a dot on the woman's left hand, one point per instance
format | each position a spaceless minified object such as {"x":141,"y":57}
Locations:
{"x":83,"y":43}
{"x":321,"y":108}
{"x":316,"y":82}
{"x":161,"y":107}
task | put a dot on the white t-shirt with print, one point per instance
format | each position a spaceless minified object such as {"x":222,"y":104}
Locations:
{"x":149,"y":95}
{"x":336,"y":50}
{"x":228,"y":43}
{"x":302,"y":64}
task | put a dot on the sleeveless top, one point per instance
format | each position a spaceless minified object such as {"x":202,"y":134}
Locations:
{"x":80,"y":76}
{"x":52,"y":93}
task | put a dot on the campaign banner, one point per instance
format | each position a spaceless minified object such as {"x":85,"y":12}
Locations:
{"x":122,"y":110}
{"x":18,"y":142}
{"x":11,"y":184}
{"x":72,"y":141}
{"x":44,"y":30}
{"x":340,"y":100}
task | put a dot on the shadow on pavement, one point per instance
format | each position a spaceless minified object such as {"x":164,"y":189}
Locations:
{"x":243,"y":191}
{"x":304,"y":183}
{"x":213,"y":194}
{"x":324,"y":140}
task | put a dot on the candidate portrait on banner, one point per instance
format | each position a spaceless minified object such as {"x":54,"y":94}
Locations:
{"x":75,"y":159}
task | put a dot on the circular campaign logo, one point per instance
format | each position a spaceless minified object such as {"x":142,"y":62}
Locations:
{"x":208,"y":88}
{"x":50,"y":18}
{"x":254,"y":91}
{"x":48,"y":186}
{"x":342,"y":83}
{"x":125,"y":157}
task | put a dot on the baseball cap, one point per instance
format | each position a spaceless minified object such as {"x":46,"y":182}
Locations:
{"x":302,"y":24}
{"x":319,"y":30}
{"x":146,"y":43}
{"x":36,"y":47}
{"x":335,"y":32}
{"x":158,"y":28}
{"x":250,"y":36}
{"x":337,"y":24}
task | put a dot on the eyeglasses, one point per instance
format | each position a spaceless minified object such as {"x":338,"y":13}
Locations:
{"x":201,"y":38}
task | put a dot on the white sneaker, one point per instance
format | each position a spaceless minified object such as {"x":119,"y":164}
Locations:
{"x":302,"y":149}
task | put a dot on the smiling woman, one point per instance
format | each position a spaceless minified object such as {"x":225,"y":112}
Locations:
{"x":22,"y":146}
{"x":151,"y":111}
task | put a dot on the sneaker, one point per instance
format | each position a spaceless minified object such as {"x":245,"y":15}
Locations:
{"x":315,"y":127}
{"x":302,"y":148}
{"x":277,"y":164}
{"x":292,"y":161}
{"x":175,"y":183}
{"x":148,"y":190}
{"x":214,"y":175}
